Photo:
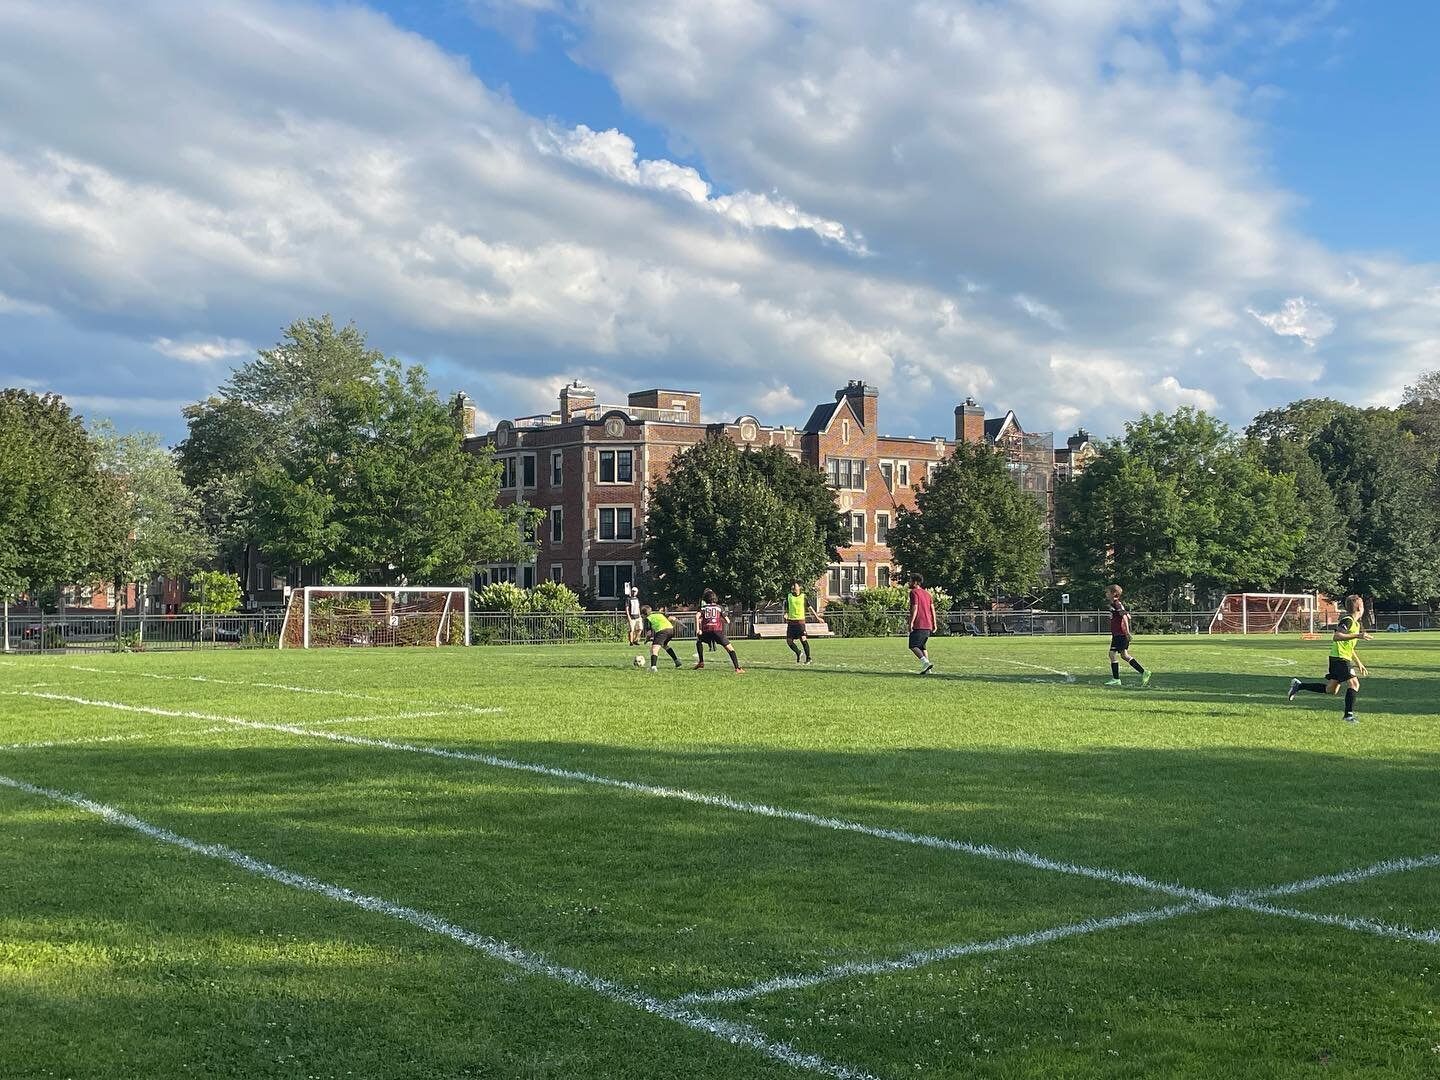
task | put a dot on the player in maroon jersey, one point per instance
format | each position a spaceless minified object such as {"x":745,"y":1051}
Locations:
{"x":710,"y":627}
{"x":1120,"y":638}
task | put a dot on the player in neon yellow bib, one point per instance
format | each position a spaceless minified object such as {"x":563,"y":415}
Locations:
{"x":795,"y":631}
{"x":1345,"y":666}
{"x":660,"y":630}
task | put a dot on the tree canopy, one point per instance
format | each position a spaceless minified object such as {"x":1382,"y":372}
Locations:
{"x":973,"y":530}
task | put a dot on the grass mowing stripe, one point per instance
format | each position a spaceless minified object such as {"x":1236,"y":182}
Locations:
{"x":410,"y":716}
{"x":925,"y":957}
{"x":1344,"y":877}
{"x":224,"y":682}
{"x":531,"y":963}
{"x":1364,"y":926}
{"x":724,"y":802}
{"x":131,"y":737}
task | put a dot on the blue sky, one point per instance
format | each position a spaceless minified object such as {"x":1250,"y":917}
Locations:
{"x":1078,"y":211}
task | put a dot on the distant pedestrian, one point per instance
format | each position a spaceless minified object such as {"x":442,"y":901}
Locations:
{"x":922,"y":622}
{"x":632,"y":613}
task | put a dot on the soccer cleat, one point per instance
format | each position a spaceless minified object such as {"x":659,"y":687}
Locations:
{"x":1112,"y":682}
{"x":1351,"y":718}
{"x":739,"y":671}
{"x":678,"y":665}
{"x":929,"y":667}
{"x":1294,"y":689}
{"x":808,"y":660}
{"x":700,"y":666}
{"x":1145,"y":679}
{"x":653,"y":669}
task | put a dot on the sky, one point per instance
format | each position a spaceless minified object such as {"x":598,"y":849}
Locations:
{"x":1081,"y":210}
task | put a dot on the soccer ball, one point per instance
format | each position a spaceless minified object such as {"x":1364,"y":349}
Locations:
{"x":639,"y":661}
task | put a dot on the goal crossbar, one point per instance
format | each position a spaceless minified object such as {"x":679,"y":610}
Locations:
{"x":1263,"y":613}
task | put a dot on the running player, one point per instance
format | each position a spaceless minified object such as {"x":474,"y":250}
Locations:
{"x":1345,"y":666}
{"x":922,"y":622}
{"x":710,"y":624}
{"x":660,"y":630}
{"x":1120,"y":639}
{"x":795,"y":609}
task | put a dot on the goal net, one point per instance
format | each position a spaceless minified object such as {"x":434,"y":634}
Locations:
{"x":324,"y":616}
{"x":1264,"y":613}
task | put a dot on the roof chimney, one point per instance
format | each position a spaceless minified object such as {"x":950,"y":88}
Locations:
{"x":574,"y":399}
{"x":864,"y":402}
{"x":969,"y":422}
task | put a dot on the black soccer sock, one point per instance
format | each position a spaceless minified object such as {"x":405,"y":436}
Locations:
{"x":1136,"y":665}
{"x":734,"y":659}
{"x":1114,"y":669}
{"x":699,"y":650}
{"x":806,"y":643}
{"x":1313,"y":687}
{"x":794,"y":648}
{"x":1349,"y":700}
{"x":671,"y":651}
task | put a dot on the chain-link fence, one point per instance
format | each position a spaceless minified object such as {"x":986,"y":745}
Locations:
{"x":135,"y":633}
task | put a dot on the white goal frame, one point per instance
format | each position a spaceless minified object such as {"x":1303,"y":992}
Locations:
{"x":305,"y":592}
{"x":1305,"y":603}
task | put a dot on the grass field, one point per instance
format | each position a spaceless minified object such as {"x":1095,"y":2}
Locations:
{"x":544,"y":863}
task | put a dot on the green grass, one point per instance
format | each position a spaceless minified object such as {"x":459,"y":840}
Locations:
{"x":121,"y":956}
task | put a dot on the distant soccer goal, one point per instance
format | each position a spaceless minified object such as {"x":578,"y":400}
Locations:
{"x":1265,"y":613}
{"x":361,"y":616}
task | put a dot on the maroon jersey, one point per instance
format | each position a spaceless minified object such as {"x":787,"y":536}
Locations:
{"x":712,"y":617}
{"x":1119,"y":619}
{"x":923,"y":610}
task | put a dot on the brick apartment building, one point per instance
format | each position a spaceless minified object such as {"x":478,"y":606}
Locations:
{"x":590,"y":465}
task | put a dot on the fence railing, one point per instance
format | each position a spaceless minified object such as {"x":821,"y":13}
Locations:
{"x":160,"y":633}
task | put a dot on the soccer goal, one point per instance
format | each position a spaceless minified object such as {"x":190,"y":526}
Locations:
{"x":1265,"y":613}
{"x":329,"y":616}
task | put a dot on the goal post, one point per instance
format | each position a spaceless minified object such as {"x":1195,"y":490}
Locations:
{"x":1265,"y":613}
{"x":350,"y":616}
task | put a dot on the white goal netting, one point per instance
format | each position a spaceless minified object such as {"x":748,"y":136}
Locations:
{"x":350,"y":616}
{"x":1265,"y":613}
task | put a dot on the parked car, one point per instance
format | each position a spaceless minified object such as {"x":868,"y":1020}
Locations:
{"x":33,"y":631}
{"x":1396,"y":628}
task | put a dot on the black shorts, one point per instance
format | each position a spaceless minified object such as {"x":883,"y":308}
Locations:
{"x":1119,"y":642}
{"x":662,"y":639}
{"x":1341,"y":670}
{"x":714,"y":637}
{"x":919,"y":638}
{"x":794,"y":630}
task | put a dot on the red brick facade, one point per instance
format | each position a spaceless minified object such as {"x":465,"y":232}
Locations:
{"x":590,"y":466}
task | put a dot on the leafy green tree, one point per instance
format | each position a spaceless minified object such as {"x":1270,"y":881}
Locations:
{"x":805,"y":489}
{"x":213,"y":592}
{"x":1387,"y":503}
{"x":1325,"y":553}
{"x":55,"y":504}
{"x":1178,"y":505}
{"x":973,"y":531}
{"x":378,"y":482}
{"x":1298,"y":422}
{"x":715,"y":521}
{"x":155,"y":527}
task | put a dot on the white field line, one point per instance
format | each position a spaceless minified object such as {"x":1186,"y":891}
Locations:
{"x":529,"y":962}
{"x":1036,"y":667}
{"x":724,"y":802}
{"x":1344,"y":877}
{"x":224,"y":682}
{"x":1363,"y":925}
{"x":925,"y":957}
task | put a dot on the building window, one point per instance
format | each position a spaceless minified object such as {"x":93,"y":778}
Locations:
{"x":557,"y":572}
{"x":617,"y":466}
{"x":527,"y":470}
{"x":617,"y":523}
{"x":887,"y":471}
{"x":507,"y":472}
{"x":557,"y":468}
{"x":904,"y":474}
{"x":882,"y":528}
{"x":882,"y":576}
{"x":846,"y":580}
{"x":857,"y":528}
{"x":612,"y":578}
{"x":845,"y":432}
{"x":846,"y":474}
{"x":557,"y":524}
{"x":930,"y":468}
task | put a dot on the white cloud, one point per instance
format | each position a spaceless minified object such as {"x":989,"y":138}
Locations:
{"x":1297,"y":318}
{"x":202,"y":350}
{"x":1041,"y":312}
{"x":777,"y":400}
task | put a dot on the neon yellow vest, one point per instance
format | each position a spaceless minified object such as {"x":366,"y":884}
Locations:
{"x":795,"y":607}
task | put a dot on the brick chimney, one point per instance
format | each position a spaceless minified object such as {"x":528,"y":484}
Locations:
{"x":864,"y":402}
{"x":969,"y":422}
{"x":573,"y":398}
{"x":466,"y":415}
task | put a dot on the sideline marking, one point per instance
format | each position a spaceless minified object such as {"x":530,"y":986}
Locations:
{"x":725,"y":802}
{"x":46,"y":744}
{"x":224,"y":682}
{"x":1037,"y":667}
{"x":529,"y":962}
{"x":1343,"y":877}
{"x":1350,"y":922}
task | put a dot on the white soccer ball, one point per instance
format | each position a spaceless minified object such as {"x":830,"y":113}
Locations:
{"x":639,"y":661}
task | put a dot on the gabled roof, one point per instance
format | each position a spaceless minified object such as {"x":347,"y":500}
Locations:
{"x":994,"y":428}
{"x":820,"y":418}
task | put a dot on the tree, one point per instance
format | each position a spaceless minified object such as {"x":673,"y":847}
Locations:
{"x":378,"y":482}
{"x":155,"y":524}
{"x":1325,"y":553}
{"x":54,"y":501}
{"x":805,"y":490}
{"x":973,"y":531}
{"x":716,"y":521}
{"x":1179,"y":504}
{"x":213,"y":591}
{"x":1298,"y":422}
{"x":1387,"y":504}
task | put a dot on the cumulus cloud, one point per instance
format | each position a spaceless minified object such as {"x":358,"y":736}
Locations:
{"x":1057,"y":216}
